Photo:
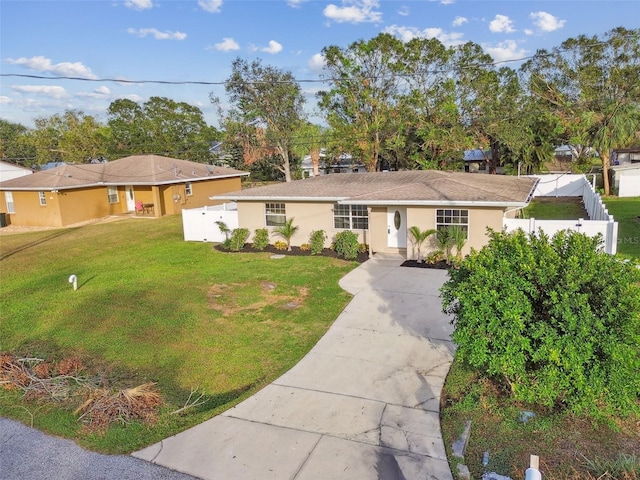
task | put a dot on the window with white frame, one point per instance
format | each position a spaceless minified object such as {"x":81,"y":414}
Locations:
{"x":452,"y":218}
{"x":275,"y":214}
{"x":112,"y":193}
{"x":187,"y":189}
{"x":8,"y":198}
{"x":350,"y":217}
{"x":43,"y":198}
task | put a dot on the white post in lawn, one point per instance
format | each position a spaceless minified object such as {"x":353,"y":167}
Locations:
{"x":532,"y":473}
{"x":73,"y":279}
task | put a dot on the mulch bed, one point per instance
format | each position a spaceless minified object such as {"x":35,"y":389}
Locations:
{"x":295,"y":252}
{"x":441,"y":265}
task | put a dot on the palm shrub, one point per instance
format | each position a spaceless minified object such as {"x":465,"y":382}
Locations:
{"x":346,"y":244}
{"x":286,"y":231}
{"x":556,"y":320}
{"x":445,"y":242}
{"x":458,"y":237}
{"x":261,"y":238}
{"x":419,"y":237}
{"x":238,"y":238}
{"x":316,"y":241}
{"x":225,"y":230}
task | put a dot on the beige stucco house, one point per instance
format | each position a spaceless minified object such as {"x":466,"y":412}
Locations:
{"x":70,"y":194}
{"x":381,"y":206}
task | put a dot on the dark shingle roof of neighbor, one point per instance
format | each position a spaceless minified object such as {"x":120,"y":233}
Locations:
{"x":405,"y":187}
{"x":133,"y":170}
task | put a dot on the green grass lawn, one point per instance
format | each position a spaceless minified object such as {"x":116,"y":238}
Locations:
{"x":151,"y":307}
{"x":626,"y":212}
{"x":552,"y":208}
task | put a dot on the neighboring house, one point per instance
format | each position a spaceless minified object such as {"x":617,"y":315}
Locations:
{"x":624,"y":172}
{"x":69,"y":194}
{"x":380,"y":206}
{"x":345,"y":163}
{"x":9,"y":171}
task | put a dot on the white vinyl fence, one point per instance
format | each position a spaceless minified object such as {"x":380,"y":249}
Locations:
{"x":199,"y":224}
{"x":564,"y":185}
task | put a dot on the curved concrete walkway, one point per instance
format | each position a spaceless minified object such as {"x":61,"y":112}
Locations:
{"x":362,"y":404}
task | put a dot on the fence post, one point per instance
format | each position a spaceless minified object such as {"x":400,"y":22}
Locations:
{"x":532,"y":225}
{"x":532,"y":473}
{"x":612,"y":236}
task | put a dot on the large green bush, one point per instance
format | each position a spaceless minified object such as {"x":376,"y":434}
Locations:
{"x":347,"y":244}
{"x":261,"y":239}
{"x":316,"y":241}
{"x":238,"y":238}
{"x":556,"y":319}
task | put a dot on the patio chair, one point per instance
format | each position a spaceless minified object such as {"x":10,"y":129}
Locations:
{"x":139,"y":208}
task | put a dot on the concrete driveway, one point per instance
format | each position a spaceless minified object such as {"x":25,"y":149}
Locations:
{"x":362,"y":404}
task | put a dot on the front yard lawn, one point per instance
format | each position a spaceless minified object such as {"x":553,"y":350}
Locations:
{"x":626,"y":211}
{"x":153,"y":308}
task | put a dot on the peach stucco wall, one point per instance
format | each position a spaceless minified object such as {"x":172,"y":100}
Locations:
{"x":311,"y":216}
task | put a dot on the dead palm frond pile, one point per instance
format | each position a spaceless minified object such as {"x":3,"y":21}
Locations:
{"x":68,"y":380}
{"x":104,"y":406}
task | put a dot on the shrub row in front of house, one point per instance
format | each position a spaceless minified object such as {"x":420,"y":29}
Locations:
{"x":345,"y":244}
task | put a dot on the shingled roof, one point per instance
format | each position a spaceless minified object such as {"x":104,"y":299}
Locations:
{"x":133,"y":170}
{"x":415,"y":187}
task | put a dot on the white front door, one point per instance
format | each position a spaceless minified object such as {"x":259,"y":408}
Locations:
{"x":131,"y":199}
{"x":397,"y":227}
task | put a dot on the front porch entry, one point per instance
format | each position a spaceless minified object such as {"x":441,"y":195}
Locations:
{"x":397,"y":227}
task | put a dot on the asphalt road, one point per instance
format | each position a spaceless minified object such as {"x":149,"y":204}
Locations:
{"x":27,"y":453}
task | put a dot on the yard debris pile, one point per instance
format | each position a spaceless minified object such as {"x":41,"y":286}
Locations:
{"x":68,"y":381}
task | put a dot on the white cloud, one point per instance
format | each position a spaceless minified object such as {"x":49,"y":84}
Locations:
{"x":446,"y":2}
{"x":52,"y":91}
{"x":316,"y":63}
{"x":505,"y":51}
{"x":404,"y":11}
{"x":354,"y":11}
{"x":5,"y":100}
{"x":546,"y":22}
{"x":528,"y":31}
{"x":226,"y":45}
{"x":459,"y":21}
{"x":139,"y":4}
{"x":273,"y":48}
{"x":501,"y":24}
{"x":157,"y":34}
{"x":211,"y":6}
{"x":295,"y":3}
{"x":101,"y":92}
{"x":407,"y":33}
{"x":43,"y":64}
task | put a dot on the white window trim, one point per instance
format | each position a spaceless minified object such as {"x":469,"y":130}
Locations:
{"x":8,"y":199}
{"x":351,"y":216}
{"x":43,"y":199}
{"x":272,"y":215}
{"x":464,"y":225}
{"x":188,"y":189}
{"x":112,"y":195}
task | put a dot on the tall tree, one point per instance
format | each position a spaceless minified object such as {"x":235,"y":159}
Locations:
{"x":310,"y":139}
{"x":432,"y":133}
{"x":591,"y":85}
{"x":161,"y":126}
{"x":71,"y":137}
{"x":266,"y":111}
{"x":362,"y":105}
{"x":14,"y":146}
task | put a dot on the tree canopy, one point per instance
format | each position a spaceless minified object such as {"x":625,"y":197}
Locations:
{"x":266,"y":111}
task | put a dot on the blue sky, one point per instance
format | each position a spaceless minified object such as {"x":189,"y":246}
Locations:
{"x":196,"y":41}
